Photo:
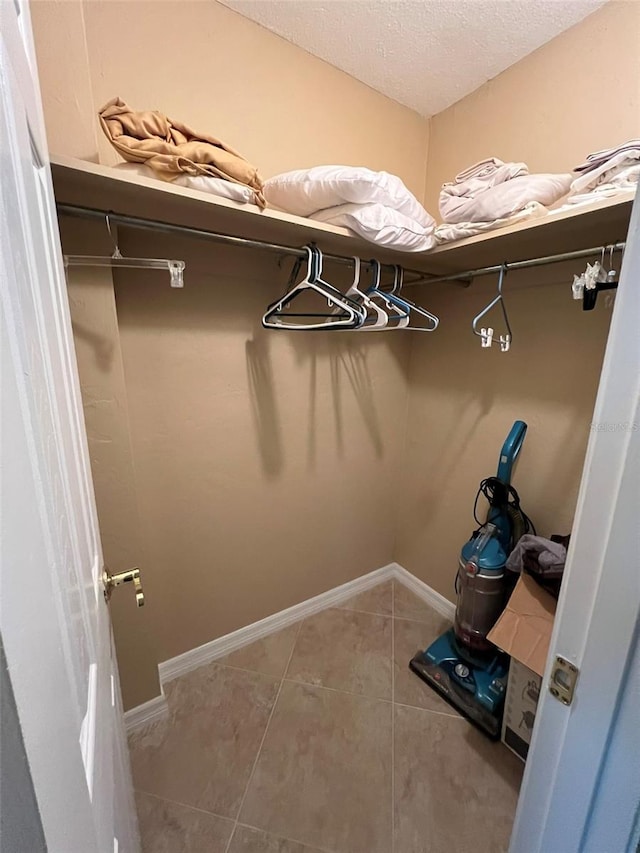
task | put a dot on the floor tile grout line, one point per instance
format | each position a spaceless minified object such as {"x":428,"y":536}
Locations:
{"x":421,"y":621}
{"x":453,"y":714}
{"x":182,"y":805}
{"x":264,"y":736}
{"x":338,"y":690}
{"x":393,"y":719}
{"x":244,"y":669}
{"x":356,"y":610}
{"x":283,"y":837}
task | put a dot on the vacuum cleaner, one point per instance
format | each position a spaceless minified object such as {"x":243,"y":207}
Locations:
{"x":462,"y":665}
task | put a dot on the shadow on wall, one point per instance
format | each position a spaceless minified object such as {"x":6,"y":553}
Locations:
{"x":264,"y":407}
{"x":353,"y":361}
{"x":465,"y":398}
{"x":225,"y":294}
{"x":102,"y":347}
{"x":348,"y":368}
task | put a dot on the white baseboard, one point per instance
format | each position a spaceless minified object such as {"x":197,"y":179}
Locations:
{"x":444,"y":607}
{"x":148,"y":712}
{"x":181,"y":664}
{"x":188,"y":661}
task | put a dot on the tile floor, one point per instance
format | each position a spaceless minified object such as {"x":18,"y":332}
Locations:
{"x":318,"y":739}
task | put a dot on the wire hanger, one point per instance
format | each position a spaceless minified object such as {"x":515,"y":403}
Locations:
{"x":487,"y":333}
{"x":408,"y":305}
{"x":176,"y":268}
{"x":349,"y":316}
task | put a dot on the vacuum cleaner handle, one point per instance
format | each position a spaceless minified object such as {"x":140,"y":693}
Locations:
{"x":510,"y":450}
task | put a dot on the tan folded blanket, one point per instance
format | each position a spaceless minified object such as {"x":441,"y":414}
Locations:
{"x":171,"y":148}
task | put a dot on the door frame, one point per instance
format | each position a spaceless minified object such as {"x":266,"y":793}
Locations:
{"x":597,"y":618}
{"x":53,"y":617}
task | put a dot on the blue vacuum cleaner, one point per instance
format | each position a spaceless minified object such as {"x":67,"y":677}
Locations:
{"x":462,"y":665}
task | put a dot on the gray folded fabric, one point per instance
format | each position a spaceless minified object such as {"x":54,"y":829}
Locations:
{"x":550,"y":556}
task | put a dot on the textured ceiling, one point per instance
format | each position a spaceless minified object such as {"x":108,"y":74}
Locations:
{"x":426,"y":54}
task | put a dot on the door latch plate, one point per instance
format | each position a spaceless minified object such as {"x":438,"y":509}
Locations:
{"x":564,"y":677}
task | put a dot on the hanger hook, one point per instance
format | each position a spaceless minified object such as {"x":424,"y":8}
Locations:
{"x":311,"y":262}
{"x":398,"y":279}
{"x":356,"y":271}
{"x":116,"y":251}
{"x":376,"y":267}
{"x":318,"y":256}
{"x":503,"y":271}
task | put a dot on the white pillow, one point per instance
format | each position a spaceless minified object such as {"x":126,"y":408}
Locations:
{"x":204,"y":183}
{"x":307,"y":191}
{"x":381,"y":225}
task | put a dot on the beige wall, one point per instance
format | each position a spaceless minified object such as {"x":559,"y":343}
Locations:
{"x":576,"y":94}
{"x":263,"y":459}
{"x":464,"y":400}
{"x":65,"y":80}
{"x":550,"y":110}
{"x":106,"y":412}
{"x":219,"y":72}
{"x":247,"y":470}
{"x":244,"y":471}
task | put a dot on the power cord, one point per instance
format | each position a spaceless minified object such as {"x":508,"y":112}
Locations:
{"x":489,"y":487}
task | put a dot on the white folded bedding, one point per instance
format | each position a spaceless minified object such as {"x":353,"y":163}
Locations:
{"x":459,"y":230}
{"x":204,"y":183}
{"x":599,"y":157}
{"x":472,"y":182}
{"x":619,"y":171}
{"x":381,"y":225}
{"x":492,"y":170}
{"x":307,"y":191}
{"x":504,"y":199}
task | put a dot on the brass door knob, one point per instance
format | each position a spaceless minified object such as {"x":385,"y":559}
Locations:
{"x":131,"y":576}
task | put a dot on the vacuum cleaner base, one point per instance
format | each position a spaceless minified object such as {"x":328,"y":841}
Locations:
{"x":474,"y":690}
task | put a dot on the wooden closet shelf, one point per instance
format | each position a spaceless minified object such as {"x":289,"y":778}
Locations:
{"x":86,"y":184}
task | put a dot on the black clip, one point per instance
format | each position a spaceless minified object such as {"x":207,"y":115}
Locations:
{"x":590,"y":296}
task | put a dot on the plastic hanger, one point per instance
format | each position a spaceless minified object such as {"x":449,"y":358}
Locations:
{"x":398,"y":317}
{"x":377,"y":318}
{"x":175,"y":268}
{"x":349,"y":316}
{"x":487,"y":333}
{"x":407,"y":304}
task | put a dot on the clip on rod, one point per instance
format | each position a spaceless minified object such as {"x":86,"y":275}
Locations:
{"x":468,"y":275}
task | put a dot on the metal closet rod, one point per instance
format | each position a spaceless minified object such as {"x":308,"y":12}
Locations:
{"x":226,"y":239}
{"x":469,"y":275}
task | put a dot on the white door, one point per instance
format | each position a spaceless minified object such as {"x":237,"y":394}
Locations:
{"x":581,"y":788}
{"x":53,"y":617}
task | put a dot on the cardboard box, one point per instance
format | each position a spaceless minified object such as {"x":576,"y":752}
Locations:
{"x":524,"y":632}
